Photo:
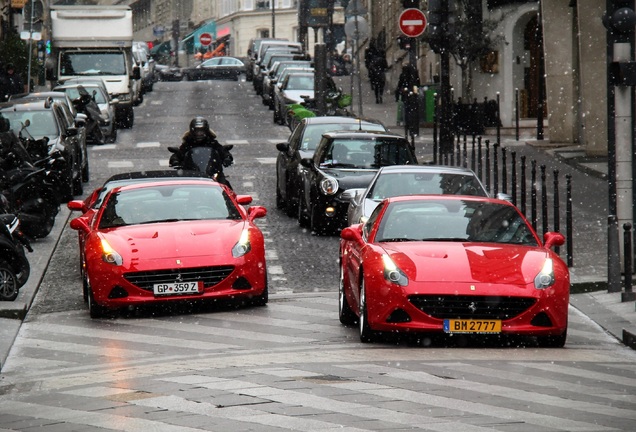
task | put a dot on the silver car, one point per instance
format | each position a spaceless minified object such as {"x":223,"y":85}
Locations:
{"x":397,"y":180}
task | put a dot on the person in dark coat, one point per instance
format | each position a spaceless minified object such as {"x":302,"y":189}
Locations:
{"x":4,"y":84}
{"x":377,"y":74}
{"x":15,"y":85}
{"x":409,"y":78}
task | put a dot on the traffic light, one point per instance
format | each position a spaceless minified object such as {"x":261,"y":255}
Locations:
{"x":405,"y":42}
{"x":408,"y":4}
{"x":437,"y":24}
{"x":620,"y":20}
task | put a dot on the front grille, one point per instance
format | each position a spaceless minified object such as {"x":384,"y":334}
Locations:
{"x":209,"y":275}
{"x":475,"y":307}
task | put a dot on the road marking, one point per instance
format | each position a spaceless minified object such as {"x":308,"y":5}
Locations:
{"x":156,"y":102}
{"x":238,"y":141}
{"x":148,"y":144}
{"x":120,"y":164}
{"x":104,"y":147}
{"x":266,"y":161}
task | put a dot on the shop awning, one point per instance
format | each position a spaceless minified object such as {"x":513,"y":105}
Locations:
{"x":191,"y":42}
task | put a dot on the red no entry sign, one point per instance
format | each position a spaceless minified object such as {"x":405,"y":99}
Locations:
{"x":205,"y":39}
{"x":412,"y":22}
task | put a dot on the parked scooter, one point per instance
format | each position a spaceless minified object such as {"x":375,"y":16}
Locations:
{"x":336,"y":104}
{"x":198,"y":159}
{"x":27,"y":189}
{"x":14,"y":265}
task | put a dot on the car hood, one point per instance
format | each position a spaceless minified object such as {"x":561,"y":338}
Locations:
{"x":295,"y":95}
{"x":351,"y":178}
{"x":468,"y":263}
{"x":185,"y":239}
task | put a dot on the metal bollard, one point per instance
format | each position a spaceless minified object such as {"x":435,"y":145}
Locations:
{"x":568,"y":222}
{"x":513,"y":162}
{"x":627,"y":294}
{"x":472,"y":154}
{"x":544,"y":201}
{"x":504,"y":171}
{"x":465,"y":153}
{"x":488,"y":166}
{"x":613,"y":255}
{"x":523,"y":192}
{"x":479,"y":161}
{"x":495,"y":169}
{"x":533,"y":193}
{"x":556,"y":207}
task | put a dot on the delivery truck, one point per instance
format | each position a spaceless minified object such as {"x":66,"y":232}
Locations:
{"x":95,"y":41}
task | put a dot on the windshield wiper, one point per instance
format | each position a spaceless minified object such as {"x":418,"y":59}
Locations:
{"x":398,"y":239}
{"x":337,"y":165}
{"x":448,"y":239}
{"x":160,"y":221}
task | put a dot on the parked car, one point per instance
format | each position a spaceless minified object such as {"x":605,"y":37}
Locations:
{"x":217,"y":67}
{"x":397,"y":180}
{"x":71,"y":114}
{"x":252,"y":52}
{"x":301,"y":144}
{"x":270,"y":57}
{"x":140,"y":250}
{"x":47,"y":118}
{"x":344,"y":160}
{"x":273,"y":76}
{"x":101,"y":98}
{"x":168,"y":73}
{"x":453,"y":265}
{"x":296,"y":88}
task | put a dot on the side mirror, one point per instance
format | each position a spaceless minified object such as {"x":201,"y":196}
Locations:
{"x":72,"y":131}
{"x":351,"y":194}
{"x":136,"y":73}
{"x":282,"y":147}
{"x":307,"y":162}
{"x":352,"y":233}
{"x":551,"y":239}
{"x":244,"y":199}
{"x":79,"y":224}
{"x":76,"y":205}
{"x":256,"y":212}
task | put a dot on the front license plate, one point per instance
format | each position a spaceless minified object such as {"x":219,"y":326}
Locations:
{"x":472,"y":326}
{"x":177,"y":288}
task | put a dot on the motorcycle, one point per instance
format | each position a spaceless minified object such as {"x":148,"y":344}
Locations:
{"x":336,"y":104}
{"x":28,"y":190}
{"x":14,"y":265}
{"x":85,"y":104}
{"x":199,"y":159}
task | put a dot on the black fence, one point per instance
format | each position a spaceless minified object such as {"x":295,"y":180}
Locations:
{"x":474,"y":118}
{"x":536,"y":192}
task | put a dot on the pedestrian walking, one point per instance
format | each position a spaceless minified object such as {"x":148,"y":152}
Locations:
{"x":15,"y":85}
{"x":4,"y":84}
{"x":369,"y":55}
{"x":377,"y":74}
{"x":406,"y":94}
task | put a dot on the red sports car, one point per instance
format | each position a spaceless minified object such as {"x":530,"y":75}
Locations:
{"x":452,"y":264}
{"x":167,"y":241}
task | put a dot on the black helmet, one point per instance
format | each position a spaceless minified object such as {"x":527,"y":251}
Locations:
{"x":199,"y":123}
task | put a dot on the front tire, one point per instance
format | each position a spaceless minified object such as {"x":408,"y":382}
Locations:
{"x":94,"y":309}
{"x":366,"y":333}
{"x":8,"y":283}
{"x":557,"y":341}
{"x":346,"y":315}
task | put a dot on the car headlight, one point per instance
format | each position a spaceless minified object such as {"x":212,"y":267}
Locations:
{"x":110,"y":255}
{"x":243,"y":246}
{"x":393,"y":273}
{"x":329,"y":186}
{"x":545,"y":278}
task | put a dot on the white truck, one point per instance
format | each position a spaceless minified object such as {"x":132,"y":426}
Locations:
{"x":95,"y":41}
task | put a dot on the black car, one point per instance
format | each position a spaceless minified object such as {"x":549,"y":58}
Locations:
{"x":168,"y":73}
{"x":217,"y":67}
{"x":302,"y":143}
{"x":47,"y":118}
{"x":344,"y":160}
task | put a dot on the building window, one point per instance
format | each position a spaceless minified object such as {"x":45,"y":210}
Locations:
{"x":262,"y":4}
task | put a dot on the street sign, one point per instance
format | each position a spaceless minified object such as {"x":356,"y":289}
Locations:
{"x":412,"y":22}
{"x":356,"y":28}
{"x":205,"y":39}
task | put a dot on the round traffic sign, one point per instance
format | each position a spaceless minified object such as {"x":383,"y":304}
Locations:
{"x":412,"y":22}
{"x":205,"y":39}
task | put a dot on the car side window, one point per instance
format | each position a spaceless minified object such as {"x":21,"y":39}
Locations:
{"x":368,"y":225}
{"x":294,"y":141}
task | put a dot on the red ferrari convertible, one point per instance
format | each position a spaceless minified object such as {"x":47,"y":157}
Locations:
{"x":168,"y":241}
{"x":454,"y":265}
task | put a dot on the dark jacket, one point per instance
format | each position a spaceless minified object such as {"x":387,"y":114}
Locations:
{"x":408,"y":79}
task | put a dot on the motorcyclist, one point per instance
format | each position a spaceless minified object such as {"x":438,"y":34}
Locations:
{"x":200,"y":135}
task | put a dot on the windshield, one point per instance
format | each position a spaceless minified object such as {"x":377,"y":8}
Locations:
{"x":43,"y":122}
{"x":454,"y":220}
{"x":300,"y":82}
{"x":93,"y":63}
{"x":167,"y":203}
{"x":313,"y":132}
{"x":419,"y":183}
{"x":366,"y":153}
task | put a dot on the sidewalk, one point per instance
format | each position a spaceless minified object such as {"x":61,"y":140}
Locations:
{"x":589,"y":273}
